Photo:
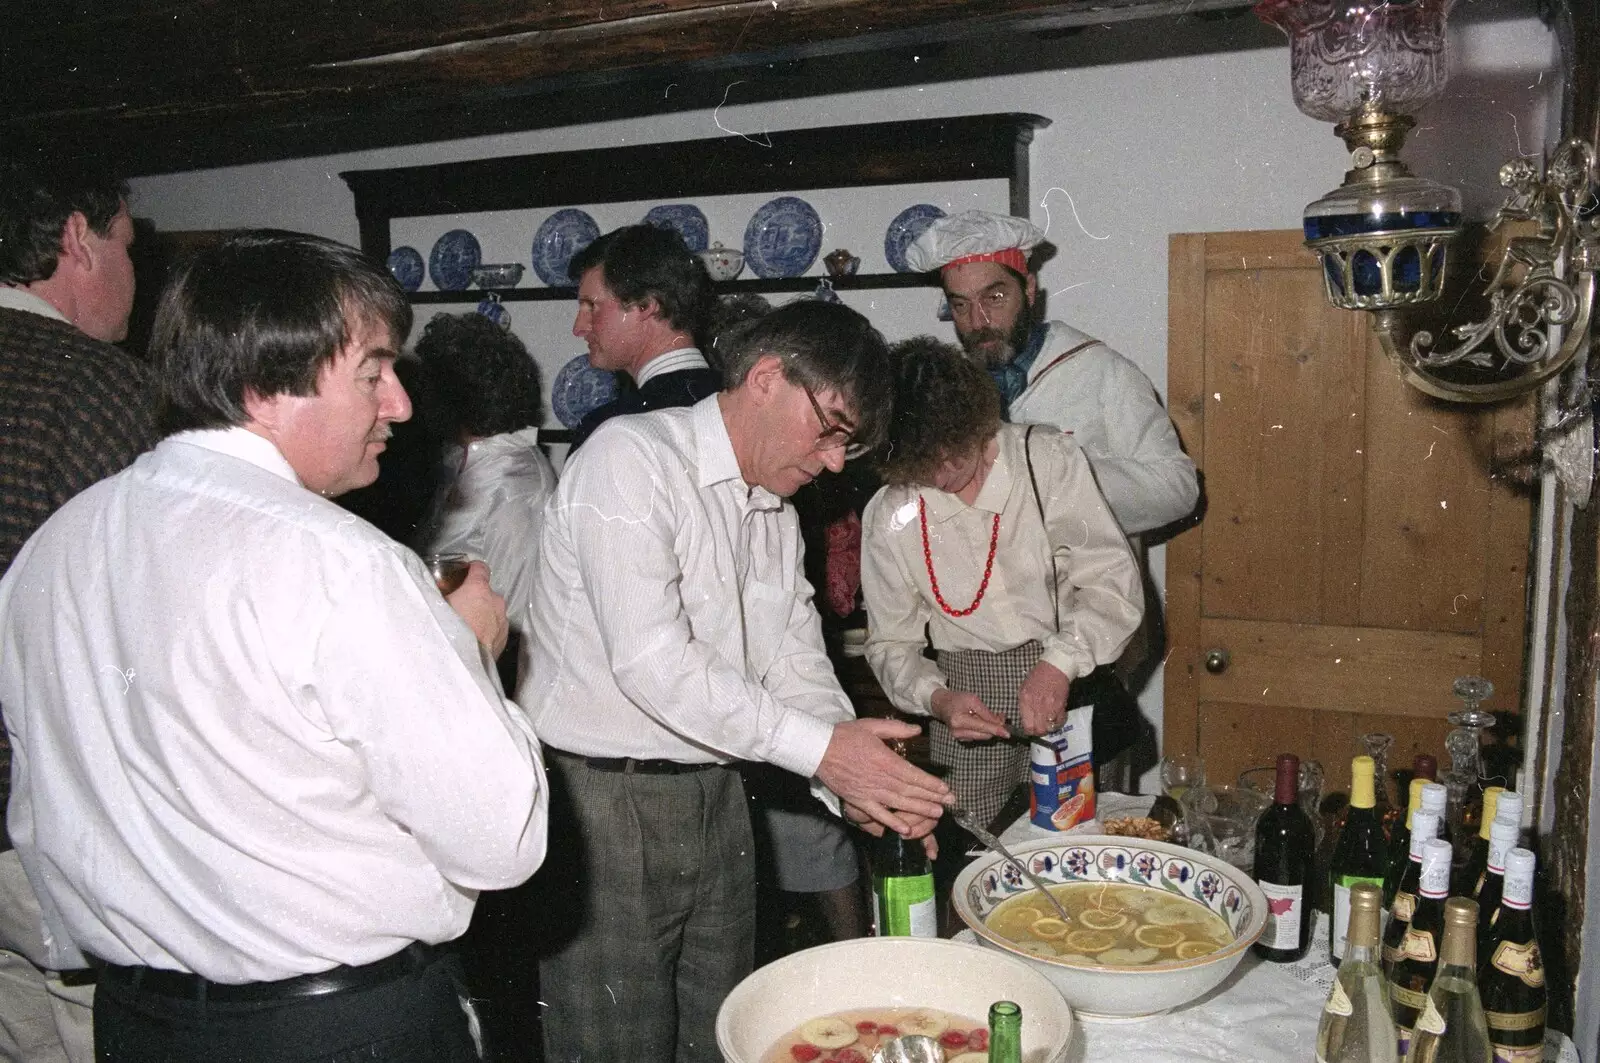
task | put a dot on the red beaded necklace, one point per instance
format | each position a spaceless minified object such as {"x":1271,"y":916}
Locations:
{"x":933,"y":580}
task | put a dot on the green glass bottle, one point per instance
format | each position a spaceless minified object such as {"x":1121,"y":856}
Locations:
{"x":902,"y":886}
{"x":1358,"y":855}
{"x":1510,"y":971}
{"x":1005,"y":1032}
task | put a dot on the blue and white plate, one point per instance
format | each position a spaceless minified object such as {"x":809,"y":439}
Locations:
{"x":562,"y":235}
{"x":455,"y":255}
{"x":783,"y":238}
{"x":579,"y":388}
{"x":687,"y":219}
{"x":405,"y":264}
{"x":903,"y":232}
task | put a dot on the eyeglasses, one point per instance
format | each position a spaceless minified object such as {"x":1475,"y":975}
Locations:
{"x":834,"y":436}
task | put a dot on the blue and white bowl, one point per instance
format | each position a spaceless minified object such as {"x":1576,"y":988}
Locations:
{"x":561,"y":236}
{"x":1119,"y":994}
{"x":406,"y":266}
{"x":455,"y":255}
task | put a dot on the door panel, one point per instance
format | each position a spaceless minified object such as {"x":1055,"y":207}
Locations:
{"x":1357,"y":554}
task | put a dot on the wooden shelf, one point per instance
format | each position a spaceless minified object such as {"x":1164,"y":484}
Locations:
{"x":754,"y":284}
{"x":929,"y":150}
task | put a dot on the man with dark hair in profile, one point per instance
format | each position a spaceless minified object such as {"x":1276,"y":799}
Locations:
{"x":642,"y":299}
{"x":263,"y":766}
{"x":73,"y":410}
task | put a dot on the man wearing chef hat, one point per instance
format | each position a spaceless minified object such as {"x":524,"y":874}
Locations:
{"x":1050,"y":373}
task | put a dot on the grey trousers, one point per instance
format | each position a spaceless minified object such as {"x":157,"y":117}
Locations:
{"x":653,"y":877}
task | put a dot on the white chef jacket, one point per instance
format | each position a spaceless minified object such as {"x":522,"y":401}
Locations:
{"x":490,"y":507}
{"x":1098,"y":591}
{"x":252,"y":740}
{"x":1112,"y":411}
{"x":672,"y":618}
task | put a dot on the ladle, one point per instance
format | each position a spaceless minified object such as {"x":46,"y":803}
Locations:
{"x":969,"y":822}
{"x":910,"y":1048}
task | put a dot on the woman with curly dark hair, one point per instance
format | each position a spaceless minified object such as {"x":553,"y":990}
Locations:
{"x":479,"y":391}
{"x":992,"y":539}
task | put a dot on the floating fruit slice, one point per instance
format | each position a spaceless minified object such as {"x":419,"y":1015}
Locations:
{"x":1159,"y":937}
{"x":1098,"y":919}
{"x":1170,"y":914}
{"x":953,"y":1039}
{"x":971,"y":1057}
{"x":1078,"y":957}
{"x":920,"y":1022}
{"x":866,"y":1026}
{"x":1128,"y":957}
{"x":1193,"y":950}
{"x":1014,"y":920}
{"x":828,"y":1033}
{"x":1091,"y":941}
{"x":1050,"y":928}
{"x":1036,"y":948}
{"x":804,"y":1053}
{"x":978,"y":1038}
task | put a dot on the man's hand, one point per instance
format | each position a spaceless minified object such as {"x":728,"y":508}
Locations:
{"x":968,"y":718}
{"x":1043,"y":699}
{"x":921,"y":828}
{"x":483,"y":610}
{"x":868,"y":775}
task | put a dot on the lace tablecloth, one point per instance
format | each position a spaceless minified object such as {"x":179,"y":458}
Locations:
{"x":1264,"y":1013}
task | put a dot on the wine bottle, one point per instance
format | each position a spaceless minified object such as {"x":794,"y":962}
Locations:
{"x":1417,"y":962}
{"x":1355,"y":1025}
{"x":1286,"y":848}
{"x":1511,"y":972}
{"x":1451,"y":1028}
{"x":1503,"y":835}
{"x":1425,"y":827}
{"x":902,"y":886}
{"x":1425,"y":766}
{"x":1005,"y":1032}
{"x":1399,"y":854}
{"x":1436,"y":798}
{"x":1509,"y":809}
{"x":1357,"y":855}
{"x":1472,"y":855}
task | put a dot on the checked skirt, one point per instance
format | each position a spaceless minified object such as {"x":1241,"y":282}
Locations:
{"x":983,"y":774}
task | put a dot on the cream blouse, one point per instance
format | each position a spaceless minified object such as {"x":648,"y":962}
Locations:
{"x":1099,"y":592}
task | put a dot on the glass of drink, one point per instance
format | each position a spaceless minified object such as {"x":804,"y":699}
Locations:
{"x":449,"y":570}
{"x":1179,"y":771}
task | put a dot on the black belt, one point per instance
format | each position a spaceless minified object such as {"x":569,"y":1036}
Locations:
{"x":633,"y":766}
{"x":185,"y":986}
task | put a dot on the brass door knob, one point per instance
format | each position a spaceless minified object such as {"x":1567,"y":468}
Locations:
{"x":1217,"y":661}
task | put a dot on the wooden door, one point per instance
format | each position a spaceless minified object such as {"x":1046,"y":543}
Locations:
{"x":1357,"y":552}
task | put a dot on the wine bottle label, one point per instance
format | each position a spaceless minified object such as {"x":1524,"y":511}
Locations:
{"x":1520,"y":960}
{"x":1418,"y":945}
{"x":1391,"y":954}
{"x":1407,"y":998}
{"x":906,"y":907}
{"x":1404,"y":905}
{"x":1339,"y":1001}
{"x":1430,"y":1021}
{"x":1285,"y":909}
{"x":1514,"y":1021}
{"x":1518,"y":1053}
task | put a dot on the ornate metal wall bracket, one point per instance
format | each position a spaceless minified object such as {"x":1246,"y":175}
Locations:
{"x":1541,"y":304}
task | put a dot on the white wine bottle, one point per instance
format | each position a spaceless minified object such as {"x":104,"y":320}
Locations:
{"x":1355,"y":1025}
{"x":1452,"y":1027}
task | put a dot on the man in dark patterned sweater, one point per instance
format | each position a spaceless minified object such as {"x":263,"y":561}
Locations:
{"x":73,"y":410}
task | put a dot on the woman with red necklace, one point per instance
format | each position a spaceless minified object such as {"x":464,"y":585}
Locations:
{"x":992,"y":542}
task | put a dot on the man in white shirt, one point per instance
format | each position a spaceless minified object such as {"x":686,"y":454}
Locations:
{"x":73,"y":410}
{"x":673,"y":636}
{"x":262,"y":766}
{"x":642,"y":298}
{"x":1050,"y":373}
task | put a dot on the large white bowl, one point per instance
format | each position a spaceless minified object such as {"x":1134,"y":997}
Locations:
{"x":1112,"y":994}
{"x":890,"y":972}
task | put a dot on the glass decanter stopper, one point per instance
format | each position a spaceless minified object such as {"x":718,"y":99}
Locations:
{"x":1464,"y":780}
{"x":1376,"y":745}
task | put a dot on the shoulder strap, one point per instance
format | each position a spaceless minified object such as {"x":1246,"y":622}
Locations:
{"x":1055,"y":577}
